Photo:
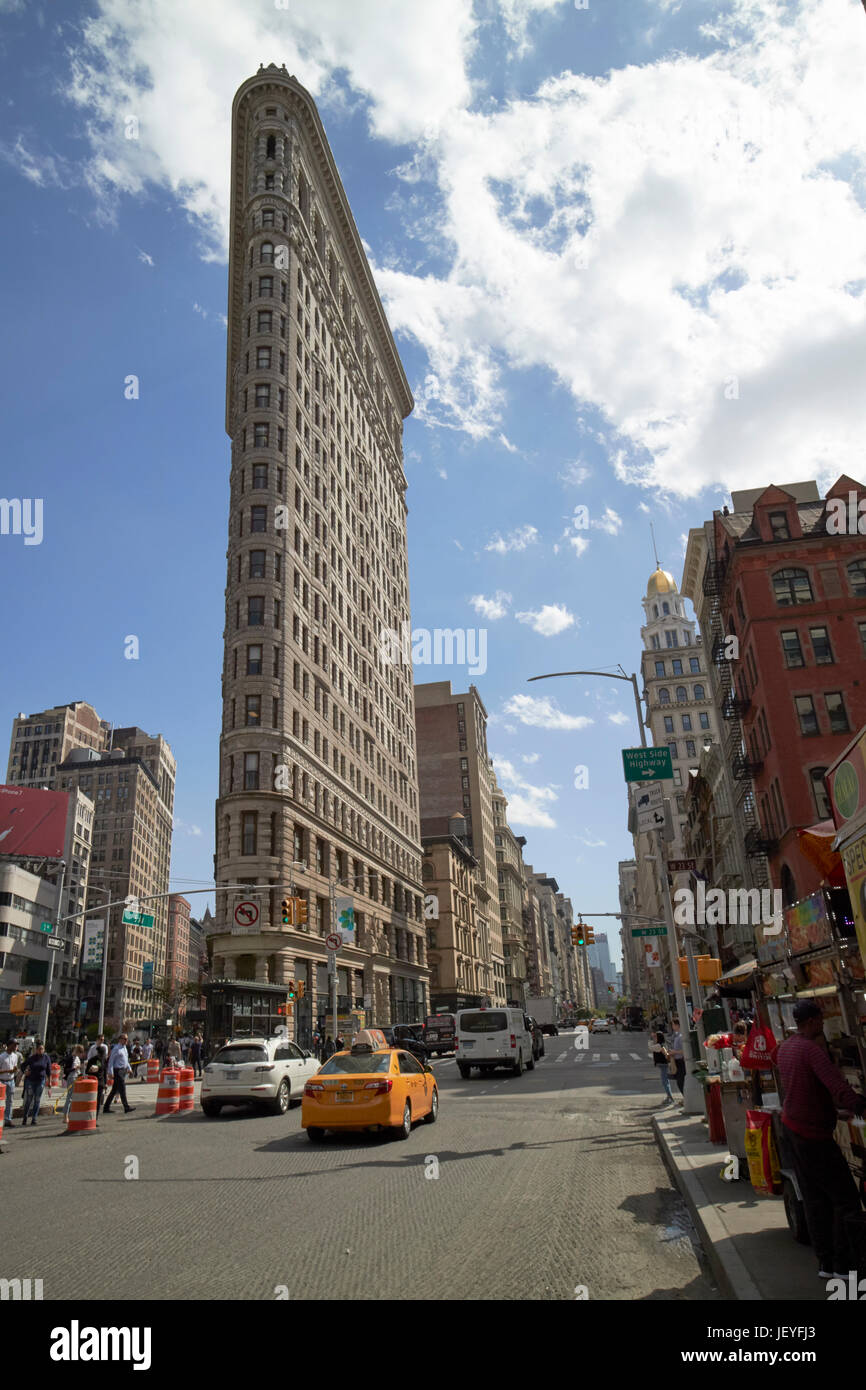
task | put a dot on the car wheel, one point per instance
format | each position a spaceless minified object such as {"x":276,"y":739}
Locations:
{"x":315,"y":1134}
{"x":795,"y":1214}
{"x":211,"y":1108}
{"x":517,"y":1069}
{"x":430,"y":1117}
{"x":405,"y":1128}
{"x":283,"y":1098}
{"x":465,"y":1072}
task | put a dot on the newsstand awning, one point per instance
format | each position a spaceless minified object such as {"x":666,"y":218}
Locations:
{"x":818,"y":843}
{"x":739,"y":972}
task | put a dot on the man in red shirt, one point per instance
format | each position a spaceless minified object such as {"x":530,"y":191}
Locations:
{"x":813,"y":1090}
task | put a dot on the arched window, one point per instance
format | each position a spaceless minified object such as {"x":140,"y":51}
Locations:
{"x":792,"y":586}
{"x":266,"y":253}
{"x":699,"y":692}
{"x":857,"y":577}
{"x":682,"y":694}
{"x":664,"y":696}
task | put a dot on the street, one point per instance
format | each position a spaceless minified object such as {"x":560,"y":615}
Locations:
{"x":548,"y":1184}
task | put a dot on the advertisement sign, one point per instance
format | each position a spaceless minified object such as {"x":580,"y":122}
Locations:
{"x":32,"y":822}
{"x":808,"y":924}
{"x":652,"y":950}
{"x":846,"y":781}
{"x":147,"y":974}
{"x":91,"y":948}
{"x":854,"y":860}
{"x":345,"y":914}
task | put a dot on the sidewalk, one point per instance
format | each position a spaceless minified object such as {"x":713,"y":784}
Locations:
{"x":140,"y":1094}
{"x":746,"y":1237}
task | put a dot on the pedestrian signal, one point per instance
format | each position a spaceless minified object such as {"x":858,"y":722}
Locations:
{"x":302,"y":989}
{"x":300,"y":911}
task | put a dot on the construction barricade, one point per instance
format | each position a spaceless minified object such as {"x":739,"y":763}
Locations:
{"x":186,"y":1089}
{"x":2,"y":1109}
{"x":55,"y":1075}
{"x":167,"y":1097}
{"x":153,"y":1069}
{"x":82,"y":1108}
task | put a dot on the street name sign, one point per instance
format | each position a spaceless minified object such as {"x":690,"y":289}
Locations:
{"x":137,"y":919}
{"x":649,"y":931}
{"x":682,"y":866}
{"x":647,"y":764}
{"x":46,"y":926}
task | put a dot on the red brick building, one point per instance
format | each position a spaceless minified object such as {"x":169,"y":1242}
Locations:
{"x":177,"y":943}
{"x":793,"y":592}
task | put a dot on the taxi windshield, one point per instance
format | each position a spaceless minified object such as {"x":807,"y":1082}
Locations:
{"x":355,"y":1062}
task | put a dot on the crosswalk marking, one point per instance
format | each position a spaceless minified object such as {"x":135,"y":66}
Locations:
{"x":635,"y":1056}
{"x":596,"y":1056}
{"x":614,"y":1056}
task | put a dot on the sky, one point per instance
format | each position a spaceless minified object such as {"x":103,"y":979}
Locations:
{"x":622,"y":248}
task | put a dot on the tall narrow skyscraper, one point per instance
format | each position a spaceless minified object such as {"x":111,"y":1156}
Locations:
{"x":318,"y":782}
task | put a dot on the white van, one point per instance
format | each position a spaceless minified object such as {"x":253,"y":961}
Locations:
{"x":489,"y":1037}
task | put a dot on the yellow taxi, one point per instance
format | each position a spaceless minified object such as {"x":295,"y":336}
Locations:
{"x":371,"y":1086}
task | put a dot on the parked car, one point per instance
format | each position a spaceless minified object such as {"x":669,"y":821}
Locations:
{"x":263,"y":1072}
{"x":537,"y":1037}
{"x":601,"y":1025}
{"x":549,"y":1028}
{"x":440,"y":1033}
{"x":369,"y":1088}
{"x":407,"y":1035}
{"x":489,"y":1038}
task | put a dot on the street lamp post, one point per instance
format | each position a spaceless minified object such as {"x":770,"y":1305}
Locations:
{"x":692,"y":1093}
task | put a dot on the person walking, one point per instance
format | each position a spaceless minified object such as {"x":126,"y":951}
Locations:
{"x":94,"y":1070}
{"x":661,"y":1059}
{"x":72,"y":1064}
{"x":195,"y":1051}
{"x":339,"y":1045}
{"x":10,"y":1061}
{"x":678,"y":1055}
{"x":135,"y":1058}
{"x":118,"y":1066}
{"x":812,"y":1090}
{"x":173,"y":1053}
{"x":147,"y":1050}
{"x":101,"y":1047}
{"x":36,"y":1072}
{"x":329,"y":1049}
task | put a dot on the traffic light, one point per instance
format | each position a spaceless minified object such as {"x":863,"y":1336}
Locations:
{"x":287,"y":914}
{"x":300,"y":911}
{"x":302,"y":989}
{"x":291,"y":989}
{"x":590,"y":936}
{"x":577,"y":936}
{"x":281,"y":1010}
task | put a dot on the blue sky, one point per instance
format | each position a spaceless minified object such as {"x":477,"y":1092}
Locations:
{"x":586,"y":224}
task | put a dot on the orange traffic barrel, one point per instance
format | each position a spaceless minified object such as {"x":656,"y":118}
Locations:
{"x":2,"y":1109}
{"x":55,"y":1074}
{"x":167,"y":1096}
{"x":82,"y":1108}
{"x":153,"y":1069}
{"x":186,"y":1089}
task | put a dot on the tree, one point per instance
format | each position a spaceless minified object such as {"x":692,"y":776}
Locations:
{"x":171,"y":1001}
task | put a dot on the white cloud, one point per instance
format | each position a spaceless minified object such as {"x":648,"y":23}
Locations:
{"x":609,"y":522}
{"x":580,"y":544}
{"x":187,"y":828}
{"x":459,"y":546}
{"x":146,"y":258}
{"x":518,"y":539}
{"x":529,"y":757}
{"x":574,"y":474}
{"x":550,"y":620}
{"x":525,"y":802}
{"x":618,"y":718}
{"x":442,"y":474}
{"x":507,"y":444}
{"x":543,"y":713}
{"x":591,"y":843}
{"x":491,"y":608}
{"x":197,"y":309}
{"x":522,"y":810}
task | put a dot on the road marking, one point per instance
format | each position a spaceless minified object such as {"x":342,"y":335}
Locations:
{"x":596,"y":1056}
{"x":614,"y":1056}
{"x":635,"y":1057}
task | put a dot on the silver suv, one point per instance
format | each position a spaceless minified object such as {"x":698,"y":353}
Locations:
{"x":264,"y":1072}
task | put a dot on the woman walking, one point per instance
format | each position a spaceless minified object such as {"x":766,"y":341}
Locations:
{"x":661,"y":1058}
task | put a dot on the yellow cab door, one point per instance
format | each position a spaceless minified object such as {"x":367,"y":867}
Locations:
{"x":415,"y":1082}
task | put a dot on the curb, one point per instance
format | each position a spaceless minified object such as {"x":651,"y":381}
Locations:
{"x":731,"y":1273}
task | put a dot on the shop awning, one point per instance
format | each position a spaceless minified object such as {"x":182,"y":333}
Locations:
{"x":817,"y":844}
{"x":739,"y":972}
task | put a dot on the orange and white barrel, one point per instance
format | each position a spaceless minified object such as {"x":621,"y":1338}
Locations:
{"x":82,"y":1108}
{"x":2,"y":1109}
{"x":153,"y":1069}
{"x":55,"y":1074}
{"x":186,"y":1089}
{"x":167,"y":1096}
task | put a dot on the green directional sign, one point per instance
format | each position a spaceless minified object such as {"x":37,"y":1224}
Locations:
{"x":649,"y":931}
{"x":647,"y":764}
{"x":46,"y":926}
{"x":137,"y":919}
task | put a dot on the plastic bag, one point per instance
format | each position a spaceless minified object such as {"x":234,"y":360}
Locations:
{"x":761,"y":1154}
{"x":759,"y":1049}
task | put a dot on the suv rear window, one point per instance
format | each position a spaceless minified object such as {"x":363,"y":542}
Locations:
{"x":487,"y":1021}
{"x":353,"y":1064}
{"x":231,"y":1056}
{"x":440,"y":1021}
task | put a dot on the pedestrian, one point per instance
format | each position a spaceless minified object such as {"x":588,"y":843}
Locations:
{"x":173,"y":1053}
{"x":329,"y":1048}
{"x":195,"y":1051}
{"x":339,"y":1045}
{"x":813,"y":1089}
{"x":135,"y":1058}
{"x":118,"y":1066}
{"x":72,"y":1064}
{"x":36,"y":1072}
{"x":94,"y":1069}
{"x":100,"y":1047}
{"x":661,"y":1059}
{"x":10,"y":1063}
{"x":676,"y":1049}
{"x":147,"y":1050}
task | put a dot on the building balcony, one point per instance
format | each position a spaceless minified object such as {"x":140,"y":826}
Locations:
{"x":758,"y":845}
{"x":744,"y":769}
{"x":734,"y":707}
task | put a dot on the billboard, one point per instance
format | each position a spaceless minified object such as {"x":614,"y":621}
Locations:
{"x":91,"y":952}
{"x":32,"y":822}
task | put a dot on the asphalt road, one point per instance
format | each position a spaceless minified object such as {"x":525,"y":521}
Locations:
{"x":537,"y":1187}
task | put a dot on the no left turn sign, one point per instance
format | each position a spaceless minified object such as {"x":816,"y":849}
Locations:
{"x":246,"y":914}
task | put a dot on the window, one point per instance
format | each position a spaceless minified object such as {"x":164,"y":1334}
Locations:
{"x":687,"y":723}
{"x":655,"y":641}
{"x":660,"y":668}
{"x":669,"y":724}
{"x":694,"y":665}
{"x":666,"y":608}
{"x":791,"y":648}
{"x":672,"y":745}
{"x":271,"y":147}
{"x":266,"y":287}
{"x":664,"y":696}
{"x":823,"y":652}
{"x":699,"y":692}
{"x":264,"y":321}
{"x":779,"y":526}
{"x":266,"y":253}
{"x":249,"y":832}
{"x":256,"y":611}
{"x":263,"y":357}
{"x":263,"y":394}
{"x":704,"y":719}
{"x":836,"y":712}
{"x":671,"y":639}
{"x":254,"y":660}
{"x":267,"y":217}
{"x":677,"y":666}
{"x":260,"y":475}
{"x":682,"y":694}
{"x":862,"y":630}
{"x":261,"y":435}
{"x":857,"y":577}
{"x":678,"y":777}
{"x":690,"y":748}
{"x":251,"y":772}
{"x":819,"y":792}
{"x":792,"y":586}
{"x":805,"y":707}
{"x":258,"y":518}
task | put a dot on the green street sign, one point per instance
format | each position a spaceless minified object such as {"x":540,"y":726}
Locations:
{"x":647,"y":764}
{"x":137,"y":919}
{"x":649,"y":931}
{"x":46,"y":926}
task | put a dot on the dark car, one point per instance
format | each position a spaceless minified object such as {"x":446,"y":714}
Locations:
{"x":537,"y":1038}
{"x":407,"y":1036}
{"x":550,"y":1028}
